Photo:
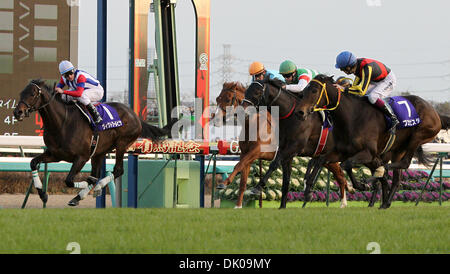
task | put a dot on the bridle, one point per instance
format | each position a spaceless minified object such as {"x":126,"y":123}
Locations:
{"x":233,"y":100}
{"x":31,"y":107}
{"x":322,"y":92}
{"x":249,"y":101}
{"x":265,"y":97}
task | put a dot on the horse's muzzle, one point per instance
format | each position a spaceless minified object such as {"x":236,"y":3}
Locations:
{"x":20,"y":113}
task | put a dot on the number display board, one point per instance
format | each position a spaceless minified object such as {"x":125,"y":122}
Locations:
{"x":35,"y":35}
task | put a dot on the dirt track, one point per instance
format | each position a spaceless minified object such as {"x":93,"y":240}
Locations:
{"x":54,"y":201}
{"x":61,"y":200}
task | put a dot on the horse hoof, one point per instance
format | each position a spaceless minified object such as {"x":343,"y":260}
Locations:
{"x":43,"y":195}
{"x":73,"y":202}
{"x":237,"y":207}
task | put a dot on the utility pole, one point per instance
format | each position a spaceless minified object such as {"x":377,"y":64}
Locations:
{"x":227,"y":60}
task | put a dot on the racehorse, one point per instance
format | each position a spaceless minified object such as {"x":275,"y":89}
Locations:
{"x":67,"y":136}
{"x":233,"y":94}
{"x":360,"y":129}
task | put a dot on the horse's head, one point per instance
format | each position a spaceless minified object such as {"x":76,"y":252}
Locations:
{"x":31,"y":99}
{"x":231,"y":96}
{"x":319,"y":94}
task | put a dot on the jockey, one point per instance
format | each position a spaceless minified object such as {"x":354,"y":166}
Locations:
{"x":259,"y":72}
{"x":83,"y":87}
{"x":297,"y":78}
{"x":373,"y":79}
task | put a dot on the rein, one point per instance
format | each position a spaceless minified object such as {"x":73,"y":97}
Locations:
{"x":32,"y":107}
{"x":273,"y":101}
{"x":322,"y":92}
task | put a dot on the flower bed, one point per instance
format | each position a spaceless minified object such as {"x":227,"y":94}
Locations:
{"x":412,"y":182}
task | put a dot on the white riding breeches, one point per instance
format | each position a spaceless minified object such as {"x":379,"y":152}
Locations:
{"x":91,"y":95}
{"x":382,"y":89}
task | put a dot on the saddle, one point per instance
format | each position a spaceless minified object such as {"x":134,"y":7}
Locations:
{"x":109,"y":115}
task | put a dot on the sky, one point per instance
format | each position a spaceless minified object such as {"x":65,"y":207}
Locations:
{"x":409,"y":36}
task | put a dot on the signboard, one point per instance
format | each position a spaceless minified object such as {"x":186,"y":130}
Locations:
{"x":34,"y":37}
{"x":202,"y":12}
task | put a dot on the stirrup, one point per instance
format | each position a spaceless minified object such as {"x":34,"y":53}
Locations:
{"x":393,"y":127}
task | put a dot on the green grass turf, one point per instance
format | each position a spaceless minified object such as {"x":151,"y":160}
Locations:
{"x":400,"y":229}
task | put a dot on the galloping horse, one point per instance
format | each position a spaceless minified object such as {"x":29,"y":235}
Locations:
{"x":360,"y":130}
{"x":233,"y":94}
{"x":67,"y":136}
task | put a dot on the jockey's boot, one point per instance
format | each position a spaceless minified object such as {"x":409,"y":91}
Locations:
{"x":95,"y":115}
{"x":387,"y":110}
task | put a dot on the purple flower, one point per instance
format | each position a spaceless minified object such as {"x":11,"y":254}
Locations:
{"x":425,"y":174}
{"x":404,"y":174}
{"x":335,"y":196}
{"x":411,"y":173}
{"x":321,"y":196}
{"x":390,"y":174}
{"x":290,"y":197}
{"x":368,"y":195}
{"x":360,"y":196}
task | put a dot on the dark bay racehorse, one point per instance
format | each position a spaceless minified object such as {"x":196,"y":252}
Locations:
{"x":232,"y":95}
{"x":67,"y":136}
{"x":360,"y":129}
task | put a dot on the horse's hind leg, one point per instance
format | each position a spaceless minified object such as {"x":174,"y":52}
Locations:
{"x":45,"y":157}
{"x":117,"y":172}
{"x":242,"y":185}
{"x":340,"y":178}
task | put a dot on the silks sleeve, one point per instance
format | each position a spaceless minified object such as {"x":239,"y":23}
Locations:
{"x":80,"y":87}
{"x":360,"y":87}
{"x":61,"y":83}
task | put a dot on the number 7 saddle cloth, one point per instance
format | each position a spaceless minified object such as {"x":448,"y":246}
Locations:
{"x":405,"y":111}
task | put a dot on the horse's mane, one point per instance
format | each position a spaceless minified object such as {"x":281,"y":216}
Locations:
{"x":48,"y":88}
{"x":276,"y":82}
{"x":232,"y":85}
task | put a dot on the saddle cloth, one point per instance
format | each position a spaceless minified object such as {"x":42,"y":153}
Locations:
{"x":109,"y":115}
{"x":405,"y":111}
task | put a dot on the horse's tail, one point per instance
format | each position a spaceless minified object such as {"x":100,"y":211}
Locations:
{"x":445,"y":121}
{"x":154,"y":132}
{"x":424,"y":158}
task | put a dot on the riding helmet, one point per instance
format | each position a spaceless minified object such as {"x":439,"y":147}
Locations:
{"x":345,"y":59}
{"x":65,"y":66}
{"x":287,"y":67}
{"x":255,"y":68}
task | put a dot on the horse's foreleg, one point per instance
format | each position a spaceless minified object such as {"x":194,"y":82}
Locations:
{"x":316,"y":164}
{"x":45,"y":157}
{"x":262,"y":183}
{"x":395,"y":184}
{"x":286,"y":164}
{"x":245,"y":161}
{"x":77,"y":165}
